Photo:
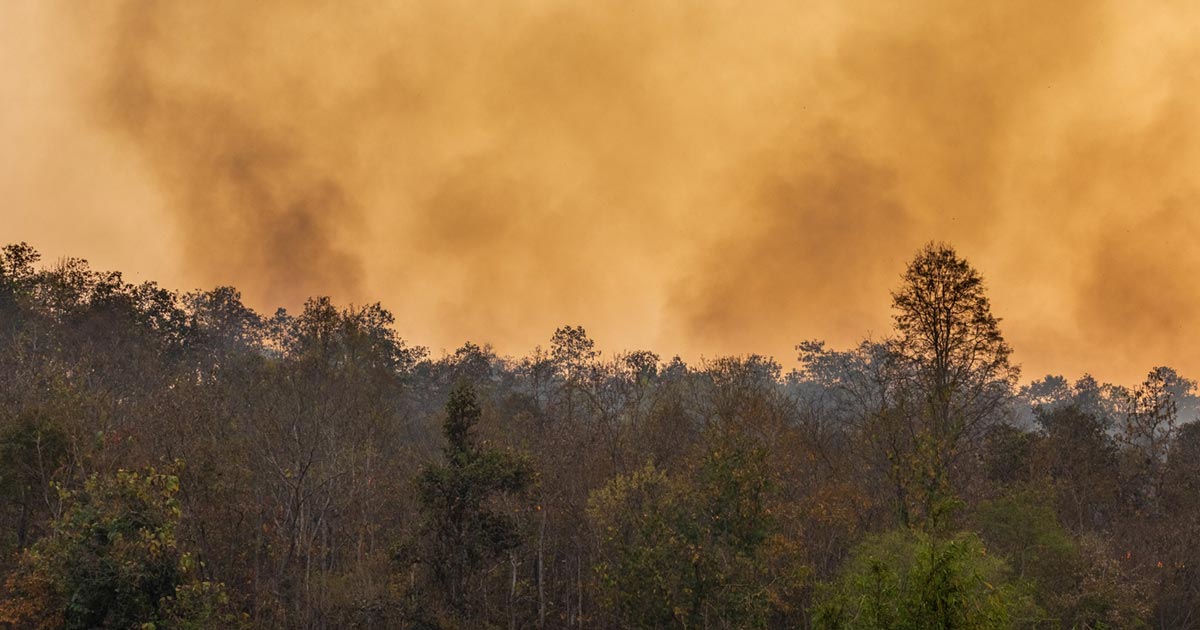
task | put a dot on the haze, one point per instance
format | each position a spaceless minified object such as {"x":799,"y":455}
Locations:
{"x":694,"y":178}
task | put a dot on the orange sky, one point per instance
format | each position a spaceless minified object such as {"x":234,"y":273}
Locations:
{"x":701,"y":178}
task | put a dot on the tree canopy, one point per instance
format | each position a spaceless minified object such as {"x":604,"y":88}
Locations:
{"x":340,"y":476}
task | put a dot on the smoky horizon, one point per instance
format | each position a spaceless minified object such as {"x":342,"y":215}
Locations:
{"x":697,"y":180}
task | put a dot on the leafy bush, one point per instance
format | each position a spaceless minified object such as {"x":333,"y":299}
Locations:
{"x":910,"y":580}
{"x":112,"y":561}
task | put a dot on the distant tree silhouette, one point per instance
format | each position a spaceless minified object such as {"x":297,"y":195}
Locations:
{"x":956,"y":363}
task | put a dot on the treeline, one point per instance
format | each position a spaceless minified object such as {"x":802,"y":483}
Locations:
{"x":182,"y":461}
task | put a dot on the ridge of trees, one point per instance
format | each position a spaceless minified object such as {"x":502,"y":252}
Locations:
{"x":180,"y":461}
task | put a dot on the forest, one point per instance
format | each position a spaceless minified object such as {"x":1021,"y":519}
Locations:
{"x":178,"y":460}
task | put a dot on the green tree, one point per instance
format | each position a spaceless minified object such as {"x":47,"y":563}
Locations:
{"x":112,"y":561}
{"x":648,"y":570}
{"x":464,"y":527}
{"x":1024,"y":528}
{"x":910,"y":580}
{"x":693,"y":551}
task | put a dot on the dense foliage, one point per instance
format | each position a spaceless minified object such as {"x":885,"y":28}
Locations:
{"x":332,"y":475}
{"x":913,"y":581}
{"x":112,"y":561}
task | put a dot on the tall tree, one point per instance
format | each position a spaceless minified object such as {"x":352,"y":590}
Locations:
{"x":955,"y":359}
{"x":463,"y":526}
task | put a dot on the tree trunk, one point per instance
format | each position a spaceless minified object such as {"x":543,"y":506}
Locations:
{"x":541,"y":571}
{"x":512,"y":592}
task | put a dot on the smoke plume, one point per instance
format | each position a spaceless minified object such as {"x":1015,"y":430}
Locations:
{"x":699,"y":178}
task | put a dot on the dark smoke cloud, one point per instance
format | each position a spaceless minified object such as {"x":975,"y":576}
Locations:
{"x":697,"y":178}
{"x":253,"y":200}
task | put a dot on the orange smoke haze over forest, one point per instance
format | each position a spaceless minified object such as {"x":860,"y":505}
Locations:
{"x":695,"y":178}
